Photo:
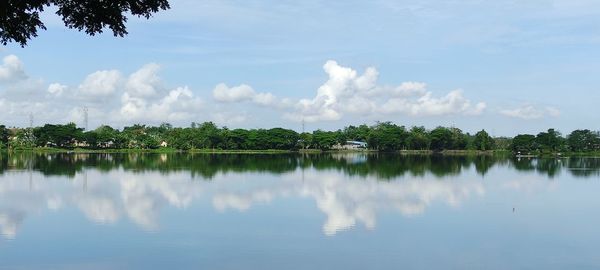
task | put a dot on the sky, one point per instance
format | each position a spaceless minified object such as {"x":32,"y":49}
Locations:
{"x":506,"y":66}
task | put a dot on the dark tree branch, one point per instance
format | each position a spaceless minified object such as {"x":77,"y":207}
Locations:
{"x":20,"y":19}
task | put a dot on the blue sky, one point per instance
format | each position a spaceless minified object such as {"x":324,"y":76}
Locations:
{"x":506,"y":66}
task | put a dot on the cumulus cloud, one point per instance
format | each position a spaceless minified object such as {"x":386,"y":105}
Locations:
{"x":116,"y":97}
{"x":12,"y":69}
{"x":100,"y":84}
{"x":346,"y":92}
{"x":407,"y":89}
{"x":57,"y":89}
{"x":229,"y":118}
{"x":145,"y":98}
{"x":178,"y":104}
{"x":243,"y":93}
{"x":145,"y":82}
{"x":452,"y":103}
{"x":530,"y":112}
{"x":111,"y":96}
{"x":224,"y":93}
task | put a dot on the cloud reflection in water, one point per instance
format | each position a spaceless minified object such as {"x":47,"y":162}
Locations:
{"x":108,"y":197}
{"x":347,"y":198}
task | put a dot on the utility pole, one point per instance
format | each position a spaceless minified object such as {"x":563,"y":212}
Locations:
{"x":85,"y":118}
{"x":303,"y":142}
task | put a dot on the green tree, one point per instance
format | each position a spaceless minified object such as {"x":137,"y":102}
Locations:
{"x":180,"y":138}
{"x":107,"y":136}
{"x":58,"y":135}
{"x":323,"y":139}
{"x":305,"y":140}
{"x":359,"y":133}
{"x":3,"y":136}
{"x":206,"y":135}
{"x":280,"y":138}
{"x":583,"y":140}
{"x":418,"y":139}
{"x":387,"y":136}
{"x":441,"y":138}
{"x":483,"y":141}
{"x":459,"y":139}
{"x":20,"y":20}
{"x":550,"y":140}
{"x":523,"y":143}
{"x":238,"y":139}
{"x":23,"y":138}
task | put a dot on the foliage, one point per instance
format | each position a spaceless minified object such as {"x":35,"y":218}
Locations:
{"x":551,"y":140}
{"x":418,"y":139}
{"x":583,"y":141}
{"x":386,"y":136}
{"x":483,"y":141}
{"x":441,"y":138}
{"x":207,"y":136}
{"x":323,"y":139}
{"x":3,"y":137}
{"x":57,"y":135}
{"x":523,"y":143}
{"x":20,"y":19}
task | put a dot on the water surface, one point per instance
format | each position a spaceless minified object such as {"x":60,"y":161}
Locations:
{"x":328,"y":211}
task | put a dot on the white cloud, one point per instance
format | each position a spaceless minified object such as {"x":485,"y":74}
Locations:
{"x":57,"y":89}
{"x":530,"y":112}
{"x":407,"y":89}
{"x":117,"y":98}
{"x":243,"y":93}
{"x":100,"y":84}
{"x":453,"y":103}
{"x":110,"y":97}
{"x":12,"y":69}
{"x":347,"y":92}
{"x":224,"y":93}
{"x":144,"y":82}
{"x":229,"y":118}
{"x":265,"y":99}
{"x":179,"y":104}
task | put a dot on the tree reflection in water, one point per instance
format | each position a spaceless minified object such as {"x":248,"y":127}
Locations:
{"x":349,"y":189}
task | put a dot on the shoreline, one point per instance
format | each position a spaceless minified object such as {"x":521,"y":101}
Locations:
{"x":301,"y":151}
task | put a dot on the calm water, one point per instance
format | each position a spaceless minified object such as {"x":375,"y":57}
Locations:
{"x":338,"y":211}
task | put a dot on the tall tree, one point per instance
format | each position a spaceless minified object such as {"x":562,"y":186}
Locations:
{"x":3,"y":136}
{"x":20,"y":19}
{"x":583,"y":140}
{"x":483,"y":141}
{"x":550,"y":140}
{"x":418,"y":139}
{"x":523,"y":143}
{"x":387,"y":136}
{"x":441,"y":138}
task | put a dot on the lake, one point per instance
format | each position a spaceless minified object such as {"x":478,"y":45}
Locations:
{"x":293,"y":211}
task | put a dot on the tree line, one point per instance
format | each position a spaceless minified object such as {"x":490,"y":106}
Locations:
{"x":382,"y":136}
